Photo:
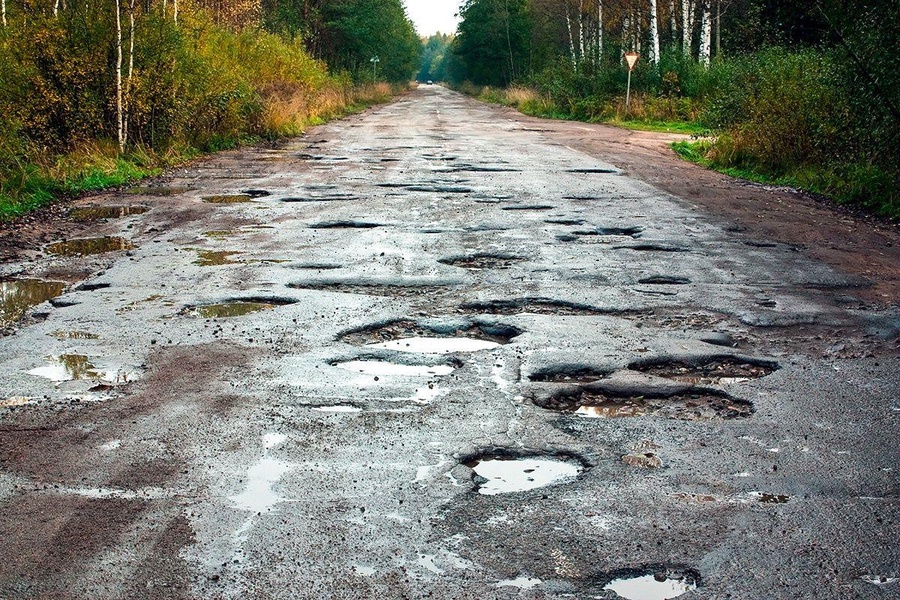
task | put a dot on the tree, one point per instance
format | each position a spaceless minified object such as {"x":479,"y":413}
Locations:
{"x":493,"y":40}
{"x":654,"y":34}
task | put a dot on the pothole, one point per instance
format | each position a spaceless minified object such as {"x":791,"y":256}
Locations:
{"x":344,"y":225}
{"x":337,"y":408}
{"x":653,"y":584}
{"x":696,"y":405}
{"x":18,"y":295}
{"x":381,"y":368}
{"x":74,"y":367}
{"x":215,"y":258}
{"x":569,"y":222}
{"x":718,"y":370}
{"x":500,"y":473}
{"x":237,"y":308}
{"x":767,"y":498}
{"x":528,"y":207}
{"x":593,"y":170}
{"x":227,"y":199}
{"x":483,"y":260}
{"x":410,"y":336}
{"x":440,"y":189}
{"x":256,"y":193}
{"x":651,"y":247}
{"x":87,"y":246}
{"x":664,"y":280}
{"x":157,"y":191}
{"x":538,"y":306}
{"x":74,"y":335}
{"x":371,"y":289}
{"x":621,"y":231}
{"x":94,"y":213}
{"x":568,"y":374}
{"x":321,"y":198}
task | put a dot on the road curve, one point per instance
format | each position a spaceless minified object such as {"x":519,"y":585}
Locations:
{"x":433,"y":351}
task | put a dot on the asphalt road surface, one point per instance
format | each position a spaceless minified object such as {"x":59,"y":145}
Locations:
{"x":432,"y":351}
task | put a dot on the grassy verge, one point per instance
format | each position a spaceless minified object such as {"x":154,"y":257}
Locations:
{"x":99,"y":165}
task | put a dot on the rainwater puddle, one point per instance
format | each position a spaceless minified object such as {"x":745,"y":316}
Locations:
{"x":574,"y":374}
{"x":85,"y":247}
{"x":72,"y":367}
{"x":661,"y":586}
{"x":93,"y":213}
{"x":258,"y":495}
{"x":338,"y":408}
{"x":231,"y":309}
{"x":157,"y":191}
{"x":215,"y":258}
{"x":18,"y":295}
{"x":483,"y":261}
{"x":721,"y":370}
{"x":228,"y":199}
{"x":507,"y":475}
{"x":383,"y":368}
{"x":219,"y":233}
{"x":523,"y":583}
{"x":432,"y":345}
{"x":702,"y":405}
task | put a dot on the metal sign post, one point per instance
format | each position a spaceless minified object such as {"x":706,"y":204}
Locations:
{"x":374,"y":60}
{"x":631,"y":59}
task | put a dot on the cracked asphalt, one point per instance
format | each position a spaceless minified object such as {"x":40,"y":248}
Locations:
{"x":283,"y":392}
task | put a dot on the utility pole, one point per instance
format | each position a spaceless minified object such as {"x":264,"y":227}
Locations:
{"x":374,"y":60}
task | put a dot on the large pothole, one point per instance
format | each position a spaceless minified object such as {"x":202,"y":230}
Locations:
{"x":371,"y":289}
{"x":538,"y":306}
{"x":18,"y":295}
{"x":432,"y":338}
{"x":483,"y":260}
{"x":501,"y":472}
{"x":88,"y":246}
{"x":710,"y":371}
{"x":651,"y":583}
{"x":96,"y":213}
{"x":237,"y":307}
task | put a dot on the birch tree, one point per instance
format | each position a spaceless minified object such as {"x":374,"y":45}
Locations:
{"x":705,"y":34}
{"x":571,"y":37}
{"x":599,"y":30}
{"x":687,"y":26}
{"x":119,"y":108}
{"x":654,"y":34}
{"x":3,"y":10}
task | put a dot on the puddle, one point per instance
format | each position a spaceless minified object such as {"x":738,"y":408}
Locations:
{"x":256,"y":193}
{"x":317,"y":267}
{"x":344,"y":225}
{"x":523,"y":583}
{"x":258,"y":495}
{"x":664,"y":280}
{"x":656,"y":586}
{"x":382,"y":368}
{"x":705,"y":405}
{"x":569,"y":222}
{"x":227,"y":199}
{"x":528,"y":207}
{"x":483,"y":261}
{"x":74,"y":335}
{"x":652,"y":247}
{"x":214,"y":258}
{"x":219,"y":234}
{"x":573,"y":374}
{"x":593,"y":170}
{"x":509,"y":474}
{"x":717,"y":371}
{"x":157,"y":191}
{"x":68,"y":367}
{"x":537,"y":306}
{"x":93,"y":213}
{"x":84,"y":247}
{"x":441,"y":189}
{"x":338,"y":408}
{"x":19,"y":295}
{"x":320,"y":198}
{"x":237,"y":308}
{"x":409,"y":336}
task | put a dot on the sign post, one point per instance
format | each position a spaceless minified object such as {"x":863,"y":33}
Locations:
{"x":631,"y":59}
{"x":374,"y":60}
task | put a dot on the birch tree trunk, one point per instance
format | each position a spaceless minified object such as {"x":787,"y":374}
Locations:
{"x":654,"y":34}
{"x":705,"y":34}
{"x":3,"y":11}
{"x":119,"y":115}
{"x":571,"y":39}
{"x":673,"y":23}
{"x":176,"y":10}
{"x":581,"y":43}
{"x":127,"y":107}
{"x":687,"y":26}
{"x":56,"y":9}
{"x":599,"y":31}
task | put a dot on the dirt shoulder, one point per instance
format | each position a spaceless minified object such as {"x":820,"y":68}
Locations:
{"x":853,"y":244}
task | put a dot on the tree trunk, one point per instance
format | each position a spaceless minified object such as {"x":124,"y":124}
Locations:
{"x":581,"y":43}
{"x":654,"y":34}
{"x":718,"y":27}
{"x":673,"y":23}
{"x":130,"y":69}
{"x":512,"y":64}
{"x":119,"y":119}
{"x":176,"y":10}
{"x":599,"y":31}
{"x":3,"y":12}
{"x":705,"y":34}
{"x":687,"y":26}
{"x":571,"y":38}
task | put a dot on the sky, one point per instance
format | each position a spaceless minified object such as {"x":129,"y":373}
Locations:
{"x":431,"y":16}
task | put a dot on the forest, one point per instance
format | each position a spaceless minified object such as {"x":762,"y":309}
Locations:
{"x":800,"y":93}
{"x":96,"y":94}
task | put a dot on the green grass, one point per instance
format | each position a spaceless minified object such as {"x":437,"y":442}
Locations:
{"x":683,"y":127}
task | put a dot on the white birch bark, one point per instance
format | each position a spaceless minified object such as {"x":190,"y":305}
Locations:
{"x":571,"y":39}
{"x":175,"y":2}
{"x":599,"y":30}
{"x":119,"y":115}
{"x":130,"y":69}
{"x":581,"y":43}
{"x":673,"y":22}
{"x":654,"y":34}
{"x":705,"y":34}
{"x":56,"y":9}
{"x":687,"y":26}
{"x":3,"y":12}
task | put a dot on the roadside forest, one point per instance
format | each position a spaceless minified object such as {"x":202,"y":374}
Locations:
{"x":95,"y":94}
{"x":805,"y":93}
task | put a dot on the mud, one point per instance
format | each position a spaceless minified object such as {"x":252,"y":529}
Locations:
{"x":93,"y":213}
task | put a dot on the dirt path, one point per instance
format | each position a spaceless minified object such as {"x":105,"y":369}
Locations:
{"x":439,"y":349}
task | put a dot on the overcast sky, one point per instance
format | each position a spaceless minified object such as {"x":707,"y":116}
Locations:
{"x":431,"y":16}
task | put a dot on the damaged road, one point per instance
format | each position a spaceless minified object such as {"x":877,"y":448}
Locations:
{"x":435,"y":350}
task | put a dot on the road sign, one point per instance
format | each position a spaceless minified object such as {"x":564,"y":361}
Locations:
{"x":631,"y":58}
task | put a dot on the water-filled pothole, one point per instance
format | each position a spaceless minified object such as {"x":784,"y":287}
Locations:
{"x":237,"y":308}
{"x":68,"y":367}
{"x":214,"y":258}
{"x":157,"y":191}
{"x":94,"y":213}
{"x":768,"y":498}
{"x":568,"y":374}
{"x":372,"y":289}
{"x":256,"y":193}
{"x":651,"y":247}
{"x":569,"y":222}
{"x":652,"y":584}
{"x":539,"y":306}
{"x":483,"y":260}
{"x":345,"y":225}
{"x":612,"y":231}
{"x":440,"y":189}
{"x":227,"y":199}
{"x":693,"y":405}
{"x":320,"y":198}
{"x":716,"y":370}
{"x":18,"y":295}
{"x":593,"y":170}
{"x":410,"y":336}
{"x":381,"y":368}
{"x":501,"y":473}
{"x":85,"y":247}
